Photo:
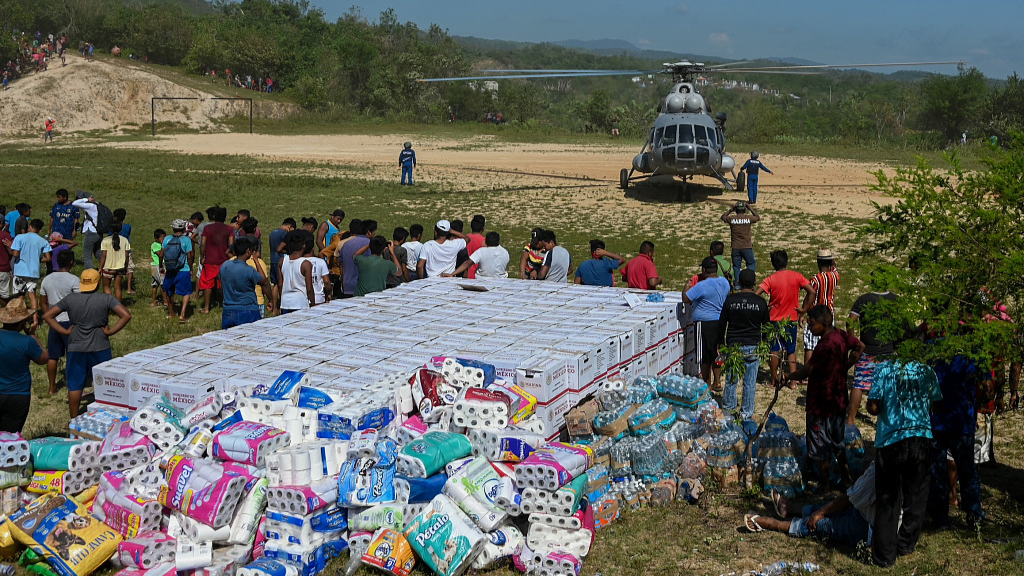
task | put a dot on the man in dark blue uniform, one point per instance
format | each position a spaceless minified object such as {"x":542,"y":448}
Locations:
{"x":752,"y":167}
{"x":407,"y":160}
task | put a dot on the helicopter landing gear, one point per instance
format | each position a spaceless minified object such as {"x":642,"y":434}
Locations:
{"x":741,"y":181}
{"x":624,"y":179}
{"x":683,"y":191}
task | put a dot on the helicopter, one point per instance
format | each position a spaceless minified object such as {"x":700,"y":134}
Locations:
{"x":688,"y":138}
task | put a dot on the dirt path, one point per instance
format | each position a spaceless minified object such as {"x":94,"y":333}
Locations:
{"x":816,"y":186}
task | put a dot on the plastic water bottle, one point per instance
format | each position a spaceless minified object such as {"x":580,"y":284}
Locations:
{"x":776,"y":569}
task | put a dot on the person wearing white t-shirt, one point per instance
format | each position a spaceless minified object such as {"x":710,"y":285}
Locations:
{"x":91,"y":239}
{"x":491,"y":260}
{"x":322,"y":287}
{"x":438,"y":256}
{"x":413,"y":246}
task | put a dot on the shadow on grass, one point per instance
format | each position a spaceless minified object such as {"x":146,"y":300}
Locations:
{"x":672,"y":192}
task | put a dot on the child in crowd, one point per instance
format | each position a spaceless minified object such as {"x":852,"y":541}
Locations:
{"x":116,"y":253}
{"x":126,"y":231}
{"x":58,"y":245}
{"x":157,"y":277}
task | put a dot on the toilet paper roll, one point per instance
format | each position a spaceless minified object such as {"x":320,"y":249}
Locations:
{"x":445,"y":538}
{"x":548,"y":538}
{"x":190,"y":556}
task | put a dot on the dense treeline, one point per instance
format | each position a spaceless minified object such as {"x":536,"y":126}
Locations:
{"x":356,"y":67}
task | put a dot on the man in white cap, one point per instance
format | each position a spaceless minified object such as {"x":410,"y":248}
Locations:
{"x":15,"y":370}
{"x":439,"y":255}
{"x":88,"y":312}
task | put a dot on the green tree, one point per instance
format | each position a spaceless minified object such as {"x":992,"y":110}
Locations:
{"x":952,"y":104}
{"x":962,"y":234}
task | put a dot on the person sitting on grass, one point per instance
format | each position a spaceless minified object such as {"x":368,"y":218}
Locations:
{"x":176,"y":258}
{"x":845,"y":521}
{"x":600,"y":269}
{"x":491,"y":261}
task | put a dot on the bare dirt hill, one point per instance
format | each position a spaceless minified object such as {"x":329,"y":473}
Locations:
{"x":106,"y":95}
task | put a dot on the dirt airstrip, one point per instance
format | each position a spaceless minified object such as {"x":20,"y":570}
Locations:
{"x":816,"y":186}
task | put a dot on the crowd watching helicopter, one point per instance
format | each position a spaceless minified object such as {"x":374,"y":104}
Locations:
{"x":688,"y":137}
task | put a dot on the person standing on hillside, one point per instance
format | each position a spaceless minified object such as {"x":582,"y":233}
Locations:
{"x":20,"y":350}
{"x":50,"y":124}
{"x":407,"y":160}
{"x":88,"y":312}
{"x":824,"y":283}
{"x":752,"y":167}
{"x":740,"y":224}
{"x":783,"y":289}
{"x":217,"y":239}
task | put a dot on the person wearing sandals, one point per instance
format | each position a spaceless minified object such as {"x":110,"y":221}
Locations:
{"x":846,"y":521}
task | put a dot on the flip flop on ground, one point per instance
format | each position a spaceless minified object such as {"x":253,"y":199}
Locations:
{"x":750,"y":523}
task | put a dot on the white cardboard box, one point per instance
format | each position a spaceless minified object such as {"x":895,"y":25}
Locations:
{"x":545,"y":376}
{"x":552,"y":414}
{"x":110,"y":383}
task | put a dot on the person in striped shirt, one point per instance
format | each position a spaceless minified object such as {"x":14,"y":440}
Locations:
{"x":825,"y":283}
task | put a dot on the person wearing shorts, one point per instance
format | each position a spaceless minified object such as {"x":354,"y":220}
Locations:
{"x":177,"y":283}
{"x":827,"y":400}
{"x":55,"y":287}
{"x":783,"y":290}
{"x":89,"y":334}
{"x":156,"y":275}
{"x":707,"y":298}
{"x":213,"y":251}
{"x":862,"y":314}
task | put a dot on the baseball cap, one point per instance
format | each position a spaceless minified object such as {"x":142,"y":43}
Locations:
{"x":82,"y":194}
{"x":444,"y":225}
{"x":90,"y":281}
{"x":179,"y":224}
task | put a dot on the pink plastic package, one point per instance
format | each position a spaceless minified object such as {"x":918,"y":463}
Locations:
{"x":203,"y":490}
{"x":553,"y":465}
{"x":121,"y":438}
{"x":248,"y":442}
{"x":165,"y":569}
{"x":146,"y":550}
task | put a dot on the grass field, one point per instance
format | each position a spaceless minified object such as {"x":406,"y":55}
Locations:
{"x":157,"y":187}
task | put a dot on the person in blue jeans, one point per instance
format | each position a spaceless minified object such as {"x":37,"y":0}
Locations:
{"x":239,"y":281}
{"x":752,"y":167}
{"x":743,"y":315}
{"x":954,"y":422}
{"x":407,"y":160}
{"x":846,"y":521}
{"x":742,"y":237}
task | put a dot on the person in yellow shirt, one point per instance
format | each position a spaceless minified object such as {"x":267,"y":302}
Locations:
{"x":116,"y":252}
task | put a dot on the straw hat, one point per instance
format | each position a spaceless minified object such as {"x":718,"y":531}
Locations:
{"x":825,"y":254}
{"x":15,"y":312}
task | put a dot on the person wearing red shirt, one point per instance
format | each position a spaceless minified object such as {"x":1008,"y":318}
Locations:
{"x":640,"y":273}
{"x":217,"y":239}
{"x":783,"y":289}
{"x":475,"y":241}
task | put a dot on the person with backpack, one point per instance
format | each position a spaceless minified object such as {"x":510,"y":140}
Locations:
{"x":156,"y":275}
{"x":176,"y":259}
{"x":96,"y":225}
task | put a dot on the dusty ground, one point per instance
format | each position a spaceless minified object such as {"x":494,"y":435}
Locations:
{"x":811,"y":185}
{"x":105,"y":95}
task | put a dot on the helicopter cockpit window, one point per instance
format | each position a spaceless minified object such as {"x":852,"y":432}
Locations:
{"x":685,"y":134}
{"x":712,"y":138}
{"x":669,"y":137}
{"x":702,"y":135}
{"x":657,"y":136}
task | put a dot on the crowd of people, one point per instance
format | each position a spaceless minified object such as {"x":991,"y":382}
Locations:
{"x":257,"y":83}
{"x":924,"y":412}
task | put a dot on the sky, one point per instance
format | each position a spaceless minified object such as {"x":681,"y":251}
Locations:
{"x":983,"y":34}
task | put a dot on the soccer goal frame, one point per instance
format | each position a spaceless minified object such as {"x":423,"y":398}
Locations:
{"x":155,"y":98}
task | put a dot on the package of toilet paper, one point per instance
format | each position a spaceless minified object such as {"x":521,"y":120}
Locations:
{"x":203,"y":490}
{"x":553,"y":465}
{"x":248,"y":442}
{"x":370,"y":480}
{"x":63,"y":454}
{"x":427,"y":455}
{"x":444,"y":538}
{"x":147,"y":550}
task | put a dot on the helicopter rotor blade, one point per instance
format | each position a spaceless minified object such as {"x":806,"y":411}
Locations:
{"x":550,"y":70}
{"x":718,"y":66}
{"x":758,"y":71}
{"x":557,"y":75}
{"x":837,"y":66}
